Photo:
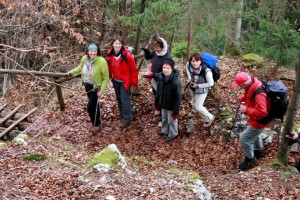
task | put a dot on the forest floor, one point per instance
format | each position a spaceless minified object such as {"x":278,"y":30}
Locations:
{"x":65,"y":139}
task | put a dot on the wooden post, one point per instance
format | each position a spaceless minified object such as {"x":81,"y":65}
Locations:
{"x":59,"y":96}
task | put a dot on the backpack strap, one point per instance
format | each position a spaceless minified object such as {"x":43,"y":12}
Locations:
{"x":259,"y":90}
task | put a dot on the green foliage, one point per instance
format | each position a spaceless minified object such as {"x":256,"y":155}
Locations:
{"x":180,"y":50}
{"x":276,"y":40}
{"x":35,"y":157}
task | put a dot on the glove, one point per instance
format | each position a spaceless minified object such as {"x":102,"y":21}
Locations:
{"x":146,"y":52}
{"x":175,"y":116}
{"x":148,"y":75}
{"x":156,"y":106}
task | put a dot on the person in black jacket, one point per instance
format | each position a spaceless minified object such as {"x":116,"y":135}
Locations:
{"x":158,"y":55}
{"x":168,"y":99}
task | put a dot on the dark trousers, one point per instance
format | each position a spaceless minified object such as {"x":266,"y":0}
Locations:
{"x":93,"y":107}
{"x":298,"y":166}
{"x":123,"y":99}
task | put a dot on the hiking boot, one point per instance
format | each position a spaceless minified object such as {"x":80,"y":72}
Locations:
{"x":162,"y":133}
{"x":156,"y":112}
{"x":207,"y":124}
{"x":259,"y":154}
{"x":120,"y":113}
{"x":125,"y":124}
{"x":170,"y":138}
{"x":297,"y":166}
{"x":247,"y":163}
{"x":94,"y":129}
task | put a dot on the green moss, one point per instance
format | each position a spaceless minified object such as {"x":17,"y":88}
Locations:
{"x":253,"y":60}
{"x":69,"y":163}
{"x":188,"y":187}
{"x":174,"y":170}
{"x":296,"y":127}
{"x":194,"y":175}
{"x":287,"y":174}
{"x":23,"y":136}
{"x":106,"y":156}
{"x":2,"y":145}
{"x":35,"y":157}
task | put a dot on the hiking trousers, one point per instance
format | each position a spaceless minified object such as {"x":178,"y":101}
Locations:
{"x":123,"y":99}
{"x":251,"y":140}
{"x":92,"y":107}
{"x":168,"y":126}
{"x":198,"y":101}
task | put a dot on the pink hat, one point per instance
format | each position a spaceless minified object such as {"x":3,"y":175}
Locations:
{"x":240,"y":78}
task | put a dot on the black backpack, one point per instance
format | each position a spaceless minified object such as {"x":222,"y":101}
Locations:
{"x":215,"y":72}
{"x":277,"y":94}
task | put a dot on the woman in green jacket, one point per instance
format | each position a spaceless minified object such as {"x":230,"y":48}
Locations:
{"x":95,"y":77}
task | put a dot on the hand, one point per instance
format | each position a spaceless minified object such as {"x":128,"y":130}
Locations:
{"x":292,"y":136}
{"x":99,"y":93}
{"x":69,"y":74}
{"x":194,"y":85}
{"x":175,"y":116}
{"x":144,"y":49}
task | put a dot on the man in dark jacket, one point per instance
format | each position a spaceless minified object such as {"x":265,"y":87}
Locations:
{"x":255,"y":108}
{"x":168,"y":99}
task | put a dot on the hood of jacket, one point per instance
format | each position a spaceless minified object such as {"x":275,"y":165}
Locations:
{"x":165,"y":49}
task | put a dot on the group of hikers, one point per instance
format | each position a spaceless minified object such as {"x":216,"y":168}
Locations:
{"x":119,"y":66}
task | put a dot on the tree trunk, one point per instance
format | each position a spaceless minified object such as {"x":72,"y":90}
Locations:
{"x":188,"y":51}
{"x":232,"y":46}
{"x":283,"y":151}
{"x":138,"y":31}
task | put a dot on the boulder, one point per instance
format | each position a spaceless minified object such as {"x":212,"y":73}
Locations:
{"x":109,"y":156}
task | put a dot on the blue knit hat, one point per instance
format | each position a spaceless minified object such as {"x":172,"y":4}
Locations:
{"x":92,"y":47}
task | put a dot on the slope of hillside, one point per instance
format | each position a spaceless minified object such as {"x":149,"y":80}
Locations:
{"x":64,"y":138}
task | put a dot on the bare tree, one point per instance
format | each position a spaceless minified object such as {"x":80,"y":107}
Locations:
{"x":283,"y":151}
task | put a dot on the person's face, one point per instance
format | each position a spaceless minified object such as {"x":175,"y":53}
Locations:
{"x":92,"y":54}
{"x":195,"y":63}
{"x":167,"y":70}
{"x":157,"y":48}
{"x":117,"y":45}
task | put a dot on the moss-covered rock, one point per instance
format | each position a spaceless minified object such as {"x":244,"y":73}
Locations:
{"x":252,"y":60}
{"x":2,"y":145}
{"x":110,"y":156}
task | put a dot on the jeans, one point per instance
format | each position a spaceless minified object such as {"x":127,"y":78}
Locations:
{"x":169,"y":126}
{"x":93,"y":106}
{"x":123,"y":99}
{"x":251,"y":140}
{"x":198,"y":101}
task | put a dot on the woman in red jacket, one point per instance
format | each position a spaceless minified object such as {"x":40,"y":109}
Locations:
{"x":124,"y":74}
{"x":255,"y":109}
